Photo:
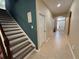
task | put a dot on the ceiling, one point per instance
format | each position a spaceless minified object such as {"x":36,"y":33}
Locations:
{"x":62,"y":10}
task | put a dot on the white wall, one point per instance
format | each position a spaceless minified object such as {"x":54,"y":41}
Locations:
{"x":74,"y":30}
{"x":42,"y":9}
{"x":2,"y":4}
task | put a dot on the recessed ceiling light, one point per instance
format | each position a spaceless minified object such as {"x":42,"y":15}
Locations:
{"x":58,"y":5}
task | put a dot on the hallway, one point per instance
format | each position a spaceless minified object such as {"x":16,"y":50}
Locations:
{"x":28,"y":25}
{"x":57,"y":47}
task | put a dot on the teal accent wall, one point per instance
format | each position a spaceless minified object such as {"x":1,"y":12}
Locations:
{"x":19,"y":9}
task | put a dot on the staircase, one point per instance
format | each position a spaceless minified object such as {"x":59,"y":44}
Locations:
{"x":19,"y":45}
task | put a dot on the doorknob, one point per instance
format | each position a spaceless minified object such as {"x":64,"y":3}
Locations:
{"x":44,"y":31}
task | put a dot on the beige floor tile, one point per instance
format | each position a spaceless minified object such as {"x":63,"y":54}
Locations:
{"x":55,"y":48}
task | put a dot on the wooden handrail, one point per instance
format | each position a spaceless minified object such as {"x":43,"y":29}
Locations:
{"x":6,"y":42}
{"x":3,"y":49}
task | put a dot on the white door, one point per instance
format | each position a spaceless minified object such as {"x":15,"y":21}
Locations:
{"x":41,"y":30}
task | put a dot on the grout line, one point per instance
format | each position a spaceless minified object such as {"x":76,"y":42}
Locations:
{"x":70,"y":48}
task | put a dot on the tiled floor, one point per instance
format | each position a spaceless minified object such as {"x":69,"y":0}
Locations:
{"x":56,"y":48}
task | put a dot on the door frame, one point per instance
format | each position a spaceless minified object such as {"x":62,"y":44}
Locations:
{"x":69,"y":23}
{"x":42,"y":15}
